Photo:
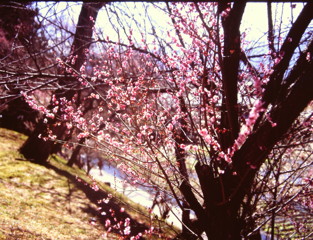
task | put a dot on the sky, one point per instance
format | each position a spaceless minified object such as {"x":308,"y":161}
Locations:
{"x":254,"y":19}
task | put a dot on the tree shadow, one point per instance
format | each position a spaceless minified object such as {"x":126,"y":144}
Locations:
{"x":106,"y":210}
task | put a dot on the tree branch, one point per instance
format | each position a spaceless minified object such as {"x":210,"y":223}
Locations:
{"x":186,"y":190}
{"x":249,"y":158}
{"x":286,"y":52}
{"x":270,"y":29}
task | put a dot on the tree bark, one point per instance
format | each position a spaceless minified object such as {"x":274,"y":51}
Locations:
{"x":224,"y":194}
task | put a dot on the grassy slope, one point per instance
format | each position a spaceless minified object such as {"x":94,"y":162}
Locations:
{"x":37,"y":203}
{"x":40,"y":203}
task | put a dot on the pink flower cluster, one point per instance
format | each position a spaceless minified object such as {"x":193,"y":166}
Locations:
{"x":248,"y":126}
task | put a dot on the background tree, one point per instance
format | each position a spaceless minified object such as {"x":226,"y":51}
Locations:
{"x":39,"y":149}
{"x":28,"y":64}
{"x":20,"y":36}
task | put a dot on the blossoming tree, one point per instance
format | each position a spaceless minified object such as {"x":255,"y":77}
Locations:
{"x":192,"y":114}
{"x":36,"y":148}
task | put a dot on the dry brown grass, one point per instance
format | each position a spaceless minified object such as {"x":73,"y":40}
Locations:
{"x":47,"y":202}
{"x":38,"y":203}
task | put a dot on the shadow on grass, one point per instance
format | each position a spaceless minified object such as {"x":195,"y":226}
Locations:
{"x":107,"y":211}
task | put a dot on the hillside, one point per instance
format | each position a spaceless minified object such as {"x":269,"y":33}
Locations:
{"x":55,"y":201}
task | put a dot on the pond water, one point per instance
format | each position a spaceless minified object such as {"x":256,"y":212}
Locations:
{"x":113,"y":177}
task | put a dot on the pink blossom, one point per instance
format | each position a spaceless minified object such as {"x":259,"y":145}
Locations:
{"x":53,"y":137}
{"x":55,"y":109}
{"x":308,"y":56}
{"x":42,"y":109}
{"x":182,"y":146}
{"x":127,"y":230}
{"x":50,"y":115}
{"x":127,"y":222}
{"x":170,"y":127}
{"x":107,"y":223}
{"x":83,"y":135}
{"x":203,"y":132}
{"x":208,"y":139}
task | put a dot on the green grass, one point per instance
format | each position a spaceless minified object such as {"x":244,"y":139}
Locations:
{"x":286,"y":229}
{"x":37,"y":202}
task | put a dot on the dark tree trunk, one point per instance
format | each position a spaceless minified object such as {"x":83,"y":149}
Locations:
{"x":19,"y":116}
{"x":224,"y":194}
{"x":74,"y":157}
{"x":230,"y":68}
{"x":36,"y":148}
